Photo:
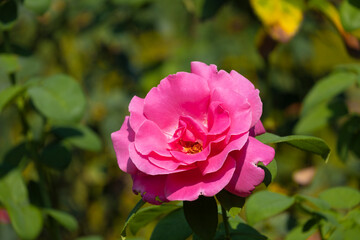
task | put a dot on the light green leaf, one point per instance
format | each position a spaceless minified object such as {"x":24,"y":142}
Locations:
{"x":37,"y":6}
{"x":202,"y":216}
{"x":350,"y":15}
{"x":80,"y":136}
{"x":306,"y":143}
{"x":65,"y":219}
{"x":298,"y":234}
{"x":9,"y":94}
{"x":146,"y":215}
{"x":26,"y":219}
{"x":9,"y":63}
{"x":341,"y":197}
{"x":314,"y":202}
{"x":58,"y":97}
{"x":327,"y":88}
{"x":265,"y":204}
{"x":174,"y":226}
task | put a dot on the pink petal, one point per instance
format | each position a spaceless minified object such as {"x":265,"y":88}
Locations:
{"x":121,"y":140}
{"x":258,"y":129}
{"x":149,"y":138}
{"x":182,"y":94}
{"x":187,"y":158}
{"x":247,"y":175}
{"x":150,"y":187}
{"x":189,"y":185}
{"x":218,"y":119}
{"x":164,"y":162}
{"x":136,"y":108}
{"x":214,"y":163}
{"x":203,"y":69}
{"x":238,"y":108}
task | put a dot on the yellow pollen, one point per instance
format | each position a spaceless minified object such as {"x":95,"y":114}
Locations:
{"x":191,"y":147}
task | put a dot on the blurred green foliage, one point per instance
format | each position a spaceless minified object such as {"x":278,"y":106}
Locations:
{"x":94,"y":55}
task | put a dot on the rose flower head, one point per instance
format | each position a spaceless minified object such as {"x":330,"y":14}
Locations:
{"x":194,"y":134}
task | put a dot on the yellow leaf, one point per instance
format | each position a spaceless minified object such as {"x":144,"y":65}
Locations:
{"x":281,"y":18}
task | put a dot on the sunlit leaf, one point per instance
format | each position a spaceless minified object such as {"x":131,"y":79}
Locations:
{"x":173,"y":226}
{"x":65,"y":219}
{"x":58,"y":97}
{"x":265,"y":204}
{"x":306,"y":143}
{"x":9,"y":63}
{"x":341,"y":197}
{"x":298,"y":234}
{"x":350,"y":14}
{"x":9,"y":94}
{"x":202,"y":216}
{"x":281,"y":18}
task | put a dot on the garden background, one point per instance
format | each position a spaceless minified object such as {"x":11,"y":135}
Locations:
{"x":107,"y":51}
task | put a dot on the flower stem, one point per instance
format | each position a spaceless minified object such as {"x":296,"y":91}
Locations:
{"x":226,"y":223}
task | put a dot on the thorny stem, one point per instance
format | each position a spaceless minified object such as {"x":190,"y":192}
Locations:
{"x":226,"y":223}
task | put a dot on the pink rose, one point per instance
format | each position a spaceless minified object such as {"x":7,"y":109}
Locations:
{"x":4,"y":217}
{"x":193,"y":135}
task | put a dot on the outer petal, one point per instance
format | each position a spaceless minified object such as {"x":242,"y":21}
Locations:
{"x":247,"y":175}
{"x":258,"y":129}
{"x":149,"y":138}
{"x":150,"y":187}
{"x":121,"y":141}
{"x":189,"y":185}
{"x":182,"y":94}
{"x":136,"y":108}
{"x":203,"y":69}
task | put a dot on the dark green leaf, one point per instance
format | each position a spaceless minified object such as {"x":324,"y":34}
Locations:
{"x":174,"y":226}
{"x":229,"y":200}
{"x":202,"y":216}
{"x":327,"y":88}
{"x":9,"y":63}
{"x":241,"y":232}
{"x":8,"y":14}
{"x":306,"y":143}
{"x":9,"y":94}
{"x":270,"y":172}
{"x":12,"y":159}
{"x":58,"y":97}
{"x":146,"y":215}
{"x":26,"y":219}
{"x":79,"y":136}
{"x":211,"y":7}
{"x":347,"y":135}
{"x":65,"y":219}
{"x":94,"y":237}
{"x":37,"y":6}
{"x":132,"y":214}
{"x":310,"y":223}
{"x":265,"y":204}
{"x":350,"y":14}
{"x":341,"y":197}
{"x":56,"y":156}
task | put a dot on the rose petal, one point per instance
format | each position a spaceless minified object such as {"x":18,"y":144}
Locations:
{"x":149,"y":138}
{"x":218,"y":119}
{"x":182,"y":94}
{"x":247,"y":175}
{"x":136,"y":108}
{"x":203,"y":69}
{"x":150,"y":187}
{"x":214,"y":163}
{"x":121,"y":140}
{"x":258,"y":129}
{"x":191,"y":184}
{"x":164,"y":162}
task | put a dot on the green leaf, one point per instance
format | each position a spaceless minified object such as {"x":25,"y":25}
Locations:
{"x":347,"y":135}
{"x":270,"y":171}
{"x":132,"y":214}
{"x":9,"y":63}
{"x":341,"y":197}
{"x":145,"y":215}
{"x":306,"y":143}
{"x":202,"y":216}
{"x":56,"y":156}
{"x":327,"y":88}
{"x":37,"y":6}
{"x":26,"y":219}
{"x":94,"y":237}
{"x":298,"y":234}
{"x":8,"y":14}
{"x":65,"y":219}
{"x":79,"y":136}
{"x":350,"y":14}
{"x":9,"y":94}
{"x":174,"y":226}
{"x":320,"y":116}
{"x":211,"y":7}
{"x":12,"y":159}
{"x":241,"y":232}
{"x":58,"y":97}
{"x":229,"y":200}
{"x":313,"y":202}
{"x":265,"y":204}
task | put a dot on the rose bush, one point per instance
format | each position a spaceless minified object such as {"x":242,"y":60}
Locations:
{"x":193,"y":135}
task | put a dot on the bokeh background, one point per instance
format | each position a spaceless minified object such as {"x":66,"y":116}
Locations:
{"x":120,"y":48}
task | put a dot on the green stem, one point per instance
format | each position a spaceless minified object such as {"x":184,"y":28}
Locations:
{"x":226,"y":223}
